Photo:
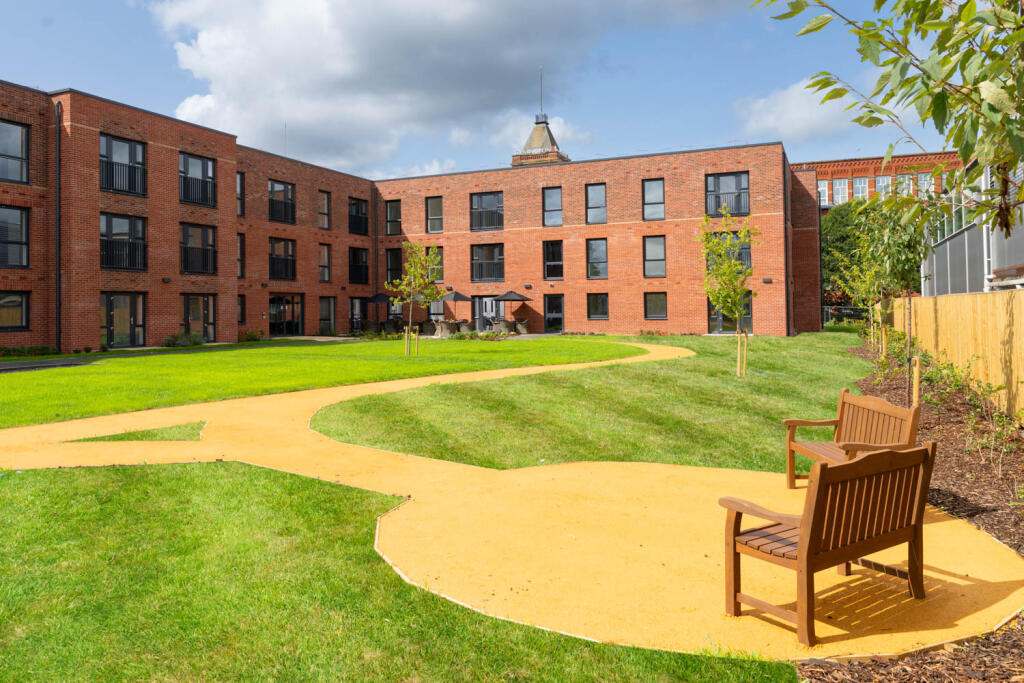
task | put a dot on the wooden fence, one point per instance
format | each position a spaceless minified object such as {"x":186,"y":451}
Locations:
{"x":985,"y":329}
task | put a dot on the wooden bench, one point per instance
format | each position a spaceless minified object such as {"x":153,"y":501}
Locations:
{"x":851,"y":510}
{"x":862,"y":423}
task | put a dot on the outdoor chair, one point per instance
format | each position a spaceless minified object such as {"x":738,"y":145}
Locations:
{"x":522,"y":326}
{"x":465,"y":327}
{"x":862,"y":424}
{"x":857,"y":508}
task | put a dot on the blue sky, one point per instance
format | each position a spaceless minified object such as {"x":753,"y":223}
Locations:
{"x":397,"y":87}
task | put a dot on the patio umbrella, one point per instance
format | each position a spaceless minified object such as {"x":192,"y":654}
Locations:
{"x":513,"y":296}
{"x":455,"y":298}
{"x":380,"y":298}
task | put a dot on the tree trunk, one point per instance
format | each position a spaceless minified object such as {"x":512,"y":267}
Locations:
{"x":746,"y":347}
{"x":909,"y":371}
{"x":408,"y":333}
{"x":739,"y":351}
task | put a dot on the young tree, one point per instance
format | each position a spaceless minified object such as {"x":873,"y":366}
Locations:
{"x":839,"y":237}
{"x":859,"y":279}
{"x":416,"y":287}
{"x":958,"y":67}
{"x":726,"y":275}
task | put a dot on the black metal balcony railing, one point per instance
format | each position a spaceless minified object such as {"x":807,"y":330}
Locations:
{"x":358,"y":225}
{"x":358,"y":274}
{"x":122,"y":254}
{"x":122,"y":177}
{"x":282,"y":268}
{"x":737,"y":202}
{"x":282,"y":210}
{"x":487,"y":270}
{"x":197,"y":190}
{"x":198,"y":260}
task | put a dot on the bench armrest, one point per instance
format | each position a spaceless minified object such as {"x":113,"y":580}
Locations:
{"x":793,"y":422}
{"x":857,"y":447}
{"x":745,"y":507}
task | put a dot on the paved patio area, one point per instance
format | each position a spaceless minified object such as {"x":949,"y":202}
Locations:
{"x":629,"y":553}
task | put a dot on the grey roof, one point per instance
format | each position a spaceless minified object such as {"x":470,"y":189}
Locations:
{"x":541,"y":140}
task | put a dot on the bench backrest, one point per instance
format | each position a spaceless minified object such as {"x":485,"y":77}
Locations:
{"x":869,"y":498}
{"x":869,"y":419}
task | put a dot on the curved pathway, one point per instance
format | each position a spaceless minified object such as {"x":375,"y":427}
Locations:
{"x":628,"y":553}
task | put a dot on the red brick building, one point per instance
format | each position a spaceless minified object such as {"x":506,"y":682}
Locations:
{"x":199,"y":234}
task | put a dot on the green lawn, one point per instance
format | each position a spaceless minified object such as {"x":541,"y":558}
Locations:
{"x":124,"y":384}
{"x":690,"y":411}
{"x":225,"y":571}
{"x":99,"y":355}
{"x":190,"y":431}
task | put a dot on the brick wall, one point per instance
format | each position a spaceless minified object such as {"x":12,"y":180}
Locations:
{"x":806,"y":252}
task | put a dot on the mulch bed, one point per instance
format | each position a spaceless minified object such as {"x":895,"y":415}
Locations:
{"x":969,"y":483}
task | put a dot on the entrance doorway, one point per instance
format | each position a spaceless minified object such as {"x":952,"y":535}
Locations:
{"x":122,"y":319}
{"x":201,"y":315}
{"x":356,"y":313}
{"x":554,"y":312}
{"x":286,"y":315}
{"x":485,"y":308}
{"x":722,"y":324}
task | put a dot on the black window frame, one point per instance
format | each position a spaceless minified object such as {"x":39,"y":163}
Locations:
{"x":320,"y":317}
{"x":281,"y":210}
{"x":207,"y":255}
{"x":742,"y":195}
{"x":431,"y":219}
{"x":392,"y":226}
{"x":26,"y":303}
{"x":26,"y":218}
{"x":647,"y":306}
{"x":438,"y":276}
{"x":208,"y":304}
{"x":477,"y":213}
{"x":590,"y":262}
{"x":189,"y":185}
{"x":358,"y":216}
{"x":240,"y":256}
{"x":321,"y":215}
{"x":476,"y":266}
{"x":596,"y":207}
{"x":26,"y":150}
{"x":643,"y":199}
{"x":281,"y":266}
{"x":123,"y":254}
{"x":239,"y":193}
{"x":546,"y":211}
{"x":137,"y":301}
{"x":591,"y":297}
{"x":323,"y":268}
{"x":391,"y":274}
{"x":546,"y":263}
{"x":358,"y":273}
{"x":241,"y":309}
{"x":135,"y":173}
{"x":664,"y":256}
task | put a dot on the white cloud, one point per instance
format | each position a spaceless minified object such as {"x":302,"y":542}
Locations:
{"x":432,"y":167}
{"x":793,"y":114}
{"x":349,"y":78}
{"x":511,"y":128}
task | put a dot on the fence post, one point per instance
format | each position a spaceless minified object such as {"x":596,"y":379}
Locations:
{"x":917,"y":380}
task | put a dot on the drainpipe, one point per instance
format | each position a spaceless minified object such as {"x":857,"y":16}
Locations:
{"x":60,"y":122}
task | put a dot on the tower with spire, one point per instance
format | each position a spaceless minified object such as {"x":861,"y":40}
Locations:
{"x":540,"y":147}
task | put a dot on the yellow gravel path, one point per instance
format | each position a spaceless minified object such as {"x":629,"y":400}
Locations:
{"x":628,"y":553}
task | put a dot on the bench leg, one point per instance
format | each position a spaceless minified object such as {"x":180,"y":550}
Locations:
{"x":805,"y":607}
{"x":844,"y":569}
{"x":790,"y":468}
{"x":915,"y":565}
{"x":732,"y":565}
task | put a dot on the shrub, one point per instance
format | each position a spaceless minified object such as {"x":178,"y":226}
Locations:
{"x":182,"y":339}
{"x":28,"y":351}
{"x":88,"y":349}
{"x":328,"y":331}
{"x":250,"y":335}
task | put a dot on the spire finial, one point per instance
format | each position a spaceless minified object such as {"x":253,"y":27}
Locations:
{"x":541,"y":118}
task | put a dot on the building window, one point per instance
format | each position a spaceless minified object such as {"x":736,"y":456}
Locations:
{"x":486,"y":211}
{"x":122,"y":165}
{"x":435,"y":216}
{"x":721,"y":324}
{"x":13,"y":152}
{"x":13,"y":311}
{"x":324,"y":256}
{"x":282,"y":259}
{"x":823,"y":193}
{"x":552,"y":200}
{"x":553,"y":260}
{"x":925,"y":186}
{"x":437,"y":274}
{"x":655,"y":305}
{"x":740,"y":250}
{"x":436,"y":310}
{"x":487,"y":262}
{"x":393,"y":217}
{"x":654,"y":256}
{"x":358,"y":224}
{"x":241,"y":309}
{"x":597,"y":259}
{"x":860,"y":188}
{"x":597,"y":306}
{"x":597,"y":203}
{"x":323,"y":210}
{"x":358,"y":266}
{"x":327,"y":307}
{"x":198,"y":249}
{"x":13,"y":237}
{"x":197,"y":183}
{"x":122,"y":242}
{"x":654,"y":199}
{"x":839,"y":191}
{"x":281,"y":206}
{"x":200,"y":315}
{"x":239,"y":194}
{"x":883,"y":185}
{"x":905,"y":185}
{"x":122,"y":319}
{"x":241,"y":255}
{"x":393,"y":265}
{"x":727,"y":191}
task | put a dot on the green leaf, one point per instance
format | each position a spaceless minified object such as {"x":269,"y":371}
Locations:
{"x":888,"y":155}
{"x":933,"y":66}
{"x":994,"y":94}
{"x":870,"y":49}
{"x":940,"y":110}
{"x":833,"y":94}
{"x":795,"y":8}
{"x":935,"y":25}
{"x":816,"y":24}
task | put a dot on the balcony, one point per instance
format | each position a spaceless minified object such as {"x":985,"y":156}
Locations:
{"x":487,"y":271}
{"x":358,"y":274}
{"x":198,"y":260}
{"x":282,"y":268}
{"x":738,"y":203}
{"x":282,"y":211}
{"x":118,"y":177}
{"x":118,"y":254}
{"x":358,"y":225}
{"x":197,"y":191}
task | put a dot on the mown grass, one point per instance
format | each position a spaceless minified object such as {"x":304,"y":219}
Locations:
{"x":117,"y":385}
{"x":690,"y":411}
{"x":223,"y":571}
{"x":190,"y":431}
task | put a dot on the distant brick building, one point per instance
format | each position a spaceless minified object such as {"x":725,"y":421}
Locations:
{"x":121,"y":227}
